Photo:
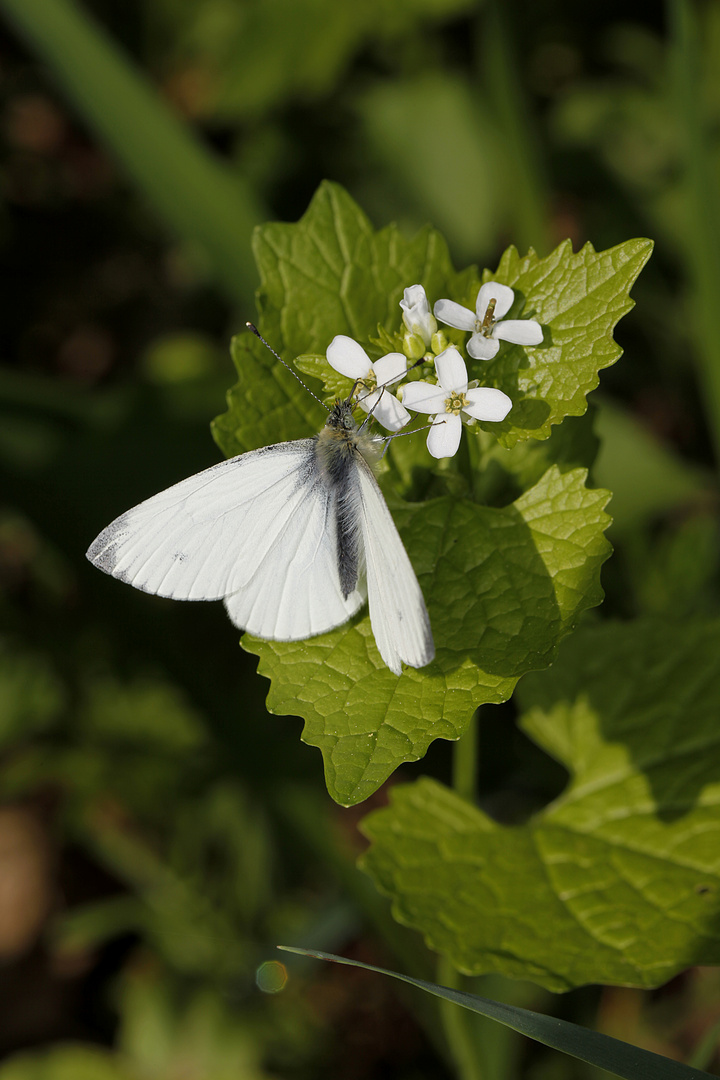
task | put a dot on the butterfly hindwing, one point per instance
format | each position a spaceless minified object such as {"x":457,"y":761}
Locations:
{"x":399,"y":618}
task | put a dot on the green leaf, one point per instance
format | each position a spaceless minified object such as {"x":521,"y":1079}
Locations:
{"x":623,"y":866}
{"x":503,"y":586}
{"x":330,"y":273}
{"x":578,"y":299}
{"x":500,"y":475}
{"x":619,"y":1058}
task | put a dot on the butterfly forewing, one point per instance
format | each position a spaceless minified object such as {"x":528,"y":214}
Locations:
{"x":197,"y":539}
{"x":228,"y":532}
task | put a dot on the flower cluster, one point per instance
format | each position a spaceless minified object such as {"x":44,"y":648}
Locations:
{"x":451,"y":399}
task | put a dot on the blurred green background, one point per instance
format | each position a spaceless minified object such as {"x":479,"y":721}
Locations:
{"x":159,"y":831}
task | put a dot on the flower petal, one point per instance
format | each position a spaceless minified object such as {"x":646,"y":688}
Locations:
{"x":390,"y":413}
{"x":414,"y":297}
{"x":493,"y":290}
{"x":423,"y":397}
{"x":444,"y":435}
{"x":482,"y":348}
{"x":368,"y":399}
{"x":486,"y":403}
{"x":451,"y":370}
{"x":452,"y":314}
{"x":519,"y":331}
{"x":416,"y":314}
{"x":390,"y":368}
{"x":346,"y":356}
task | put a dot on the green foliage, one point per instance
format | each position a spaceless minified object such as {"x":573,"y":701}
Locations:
{"x":166,"y":777}
{"x":578,"y":299}
{"x":502,"y":587}
{"x":73,"y":1062}
{"x":210,"y":209}
{"x":328,"y":274}
{"x":290,"y":48}
{"x":464,"y":203}
{"x":645,"y":476}
{"x":159,"y":1037}
{"x":623,"y":866}
{"x":31,"y":696}
{"x":503,"y":584}
{"x":332,"y":274}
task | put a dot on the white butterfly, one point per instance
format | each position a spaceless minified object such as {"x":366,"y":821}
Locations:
{"x":292,"y":537}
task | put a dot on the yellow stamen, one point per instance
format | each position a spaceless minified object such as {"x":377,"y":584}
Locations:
{"x":455,"y":403}
{"x":367,"y":384}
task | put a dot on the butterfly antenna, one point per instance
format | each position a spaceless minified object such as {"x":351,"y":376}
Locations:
{"x":256,"y":332}
{"x":399,"y":435}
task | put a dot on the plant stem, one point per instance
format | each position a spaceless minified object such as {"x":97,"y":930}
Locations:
{"x":196,"y":195}
{"x":461,"y":1028}
{"x":702,"y":248}
{"x":465,"y":762}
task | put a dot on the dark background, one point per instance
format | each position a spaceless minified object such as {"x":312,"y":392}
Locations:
{"x":159,"y":831}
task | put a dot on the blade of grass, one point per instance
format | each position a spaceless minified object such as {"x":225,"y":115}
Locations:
{"x":619,"y":1058}
{"x":702,"y":247}
{"x":503,"y":78}
{"x":197,"y":197}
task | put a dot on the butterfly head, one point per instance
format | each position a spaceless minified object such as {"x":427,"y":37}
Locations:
{"x":341,"y":437}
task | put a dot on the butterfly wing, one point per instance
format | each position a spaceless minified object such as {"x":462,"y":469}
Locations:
{"x":256,"y":531}
{"x":398,"y":615}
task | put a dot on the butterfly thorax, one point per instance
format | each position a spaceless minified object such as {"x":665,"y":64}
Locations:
{"x":337,"y":449}
{"x":339,"y":441}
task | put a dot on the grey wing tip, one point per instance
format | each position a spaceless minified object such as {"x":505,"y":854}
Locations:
{"x":428,"y":650}
{"x":426,"y":653}
{"x":103,"y":552}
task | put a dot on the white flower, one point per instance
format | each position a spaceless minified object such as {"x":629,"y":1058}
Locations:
{"x":416,"y":314}
{"x":450,"y":399}
{"x":371,"y":379}
{"x":486,"y":322}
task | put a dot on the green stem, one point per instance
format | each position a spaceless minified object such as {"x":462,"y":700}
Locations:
{"x":480,"y":1049}
{"x":462,"y":1030}
{"x":195,"y":194}
{"x":527,"y":181}
{"x":702,"y":248}
{"x":465,"y":762}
